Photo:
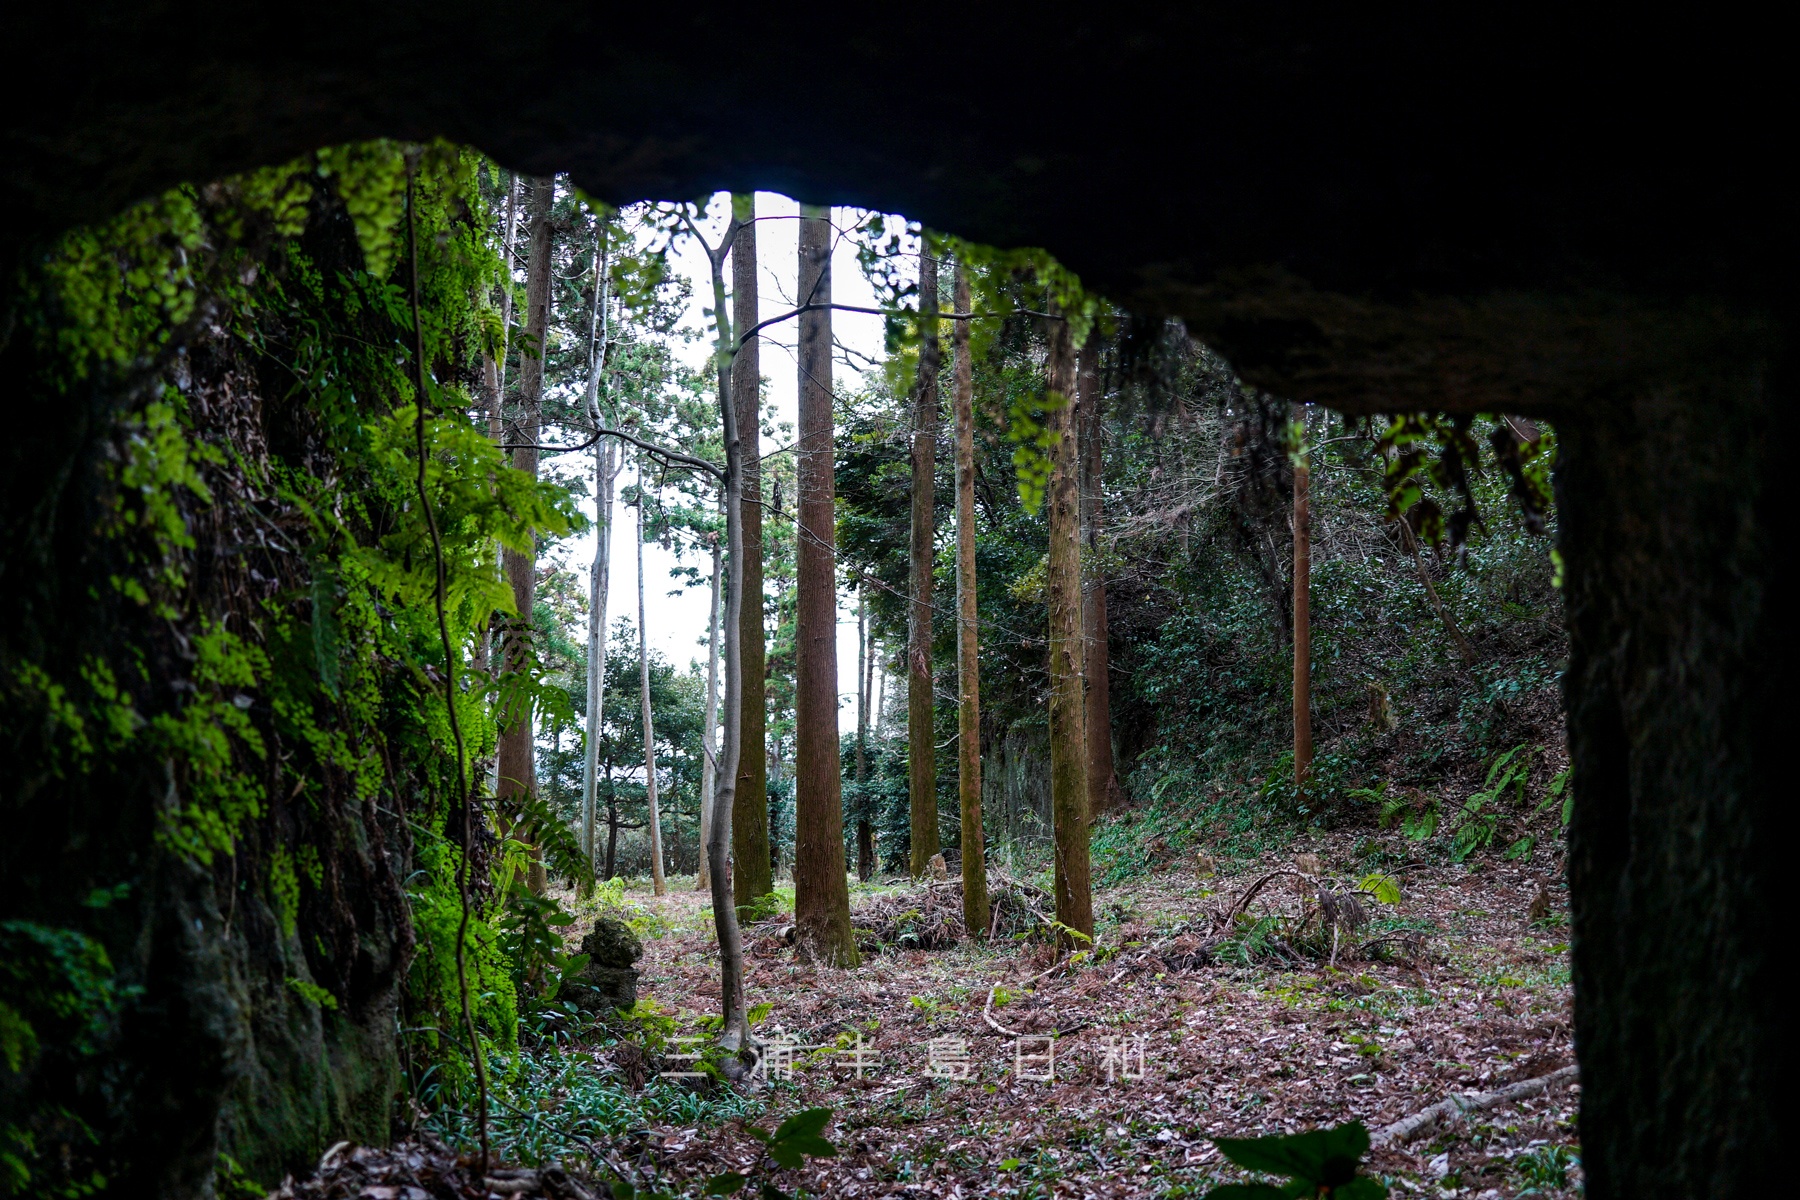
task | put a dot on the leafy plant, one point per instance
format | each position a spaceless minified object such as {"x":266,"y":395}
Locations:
{"x":1422,"y":825}
{"x":1558,"y":789}
{"x":533,"y":947}
{"x":1385,"y":889}
{"x":1319,"y":1163}
{"x":1546,"y":1168}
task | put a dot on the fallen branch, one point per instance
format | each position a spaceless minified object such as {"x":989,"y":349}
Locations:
{"x":1457,"y":1106}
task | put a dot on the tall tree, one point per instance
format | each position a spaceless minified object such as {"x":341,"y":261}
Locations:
{"x":865,"y":826}
{"x":920,"y":703}
{"x":735,"y":1028}
{"x":821,"y":894}
{"x":710,"y":736}
{"x":1068,"y":707}
{"x":1303,"y":746}
{"x":516,"y":766}
{"x":754,"y":875}
{"x":599,"y":571}
{"x":654,"y":819}
{"x":968,"y":635}
{"x":1102,"y":784}
{"x":494,"y":371}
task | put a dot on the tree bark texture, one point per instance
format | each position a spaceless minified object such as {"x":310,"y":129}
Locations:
{"x":752,"y":875}
{"x":821,"y":893}
{"x":1303,"y":743}
{"x":920,"y":703}
{"x":1679,"y":668}
{"x":653,"y":818}
{"x":968,"y":634}
{"x":516,"y":758}
{"x":710,"y":735}
{"x":599,"y":585}
{"x":1068,"y":707}
{"x":865,"y":828}
{"x":735,"y":1031}
{"x":1103,"y":786}
{"x":598,"y":571}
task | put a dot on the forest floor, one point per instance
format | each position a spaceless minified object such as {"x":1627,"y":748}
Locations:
{"x":1476,"y":997}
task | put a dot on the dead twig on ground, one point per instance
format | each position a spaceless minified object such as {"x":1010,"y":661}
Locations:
{"x":1457,"y":1106}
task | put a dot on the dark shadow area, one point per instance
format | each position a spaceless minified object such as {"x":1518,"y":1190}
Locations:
{"x":1378,"y":214}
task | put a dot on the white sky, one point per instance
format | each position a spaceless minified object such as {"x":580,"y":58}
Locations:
{"x":678,"y":623}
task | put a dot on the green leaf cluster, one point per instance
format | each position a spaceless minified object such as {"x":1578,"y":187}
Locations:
{"x":1319,"y":1163}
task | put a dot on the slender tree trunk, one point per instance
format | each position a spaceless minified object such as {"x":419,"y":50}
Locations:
{"x":750,"y":818}
{"x":599,"y":334}
{"x":506,"y":295}
{"x":735,"y":1030}
{"x":490,"y":382}
{"x":1068,"y":707}
{"x":968,"y":634}
{"x":710,"y":737}
{"x":494,"y":376}
{"x":517,"y":776}
{"x":920,"y":703}
{"x":865,"y":828}
{"x":821,"y":893}
{"x":653,"y":822}
{"x":881,"y":677}
{"x":1103,"y":788}
{"x":612,"y":835}
{"x":1303,"y":745}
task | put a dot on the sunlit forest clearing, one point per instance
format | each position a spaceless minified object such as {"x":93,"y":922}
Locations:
{"x":614,"y":731}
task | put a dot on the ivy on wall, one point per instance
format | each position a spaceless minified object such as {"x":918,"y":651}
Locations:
{"x":258,"y":679}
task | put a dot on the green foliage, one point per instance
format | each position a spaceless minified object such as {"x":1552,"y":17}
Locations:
{"x":1384,"y":888}
{"x":313,"y":993}
{"x":371,"y":178}
{"x":59,"y":984}
{"x":556,"y":1103}
{"x":61,"y":996}
{"x":431,"y":980}
{"x":1545,"y":1169}
{"x":533,"y":947}
{"x":797,"y":1138}
{"x":1319,"y":1163}
{"x":231,"y":1180}
{"x":1558,"y":789}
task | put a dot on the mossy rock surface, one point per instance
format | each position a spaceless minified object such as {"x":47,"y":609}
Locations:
{"x":612,"y":944}
{"x":608,"y":981}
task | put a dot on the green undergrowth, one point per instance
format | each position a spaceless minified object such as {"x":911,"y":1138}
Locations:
{"x":239,"y":667}
{"x":561,"y":1099}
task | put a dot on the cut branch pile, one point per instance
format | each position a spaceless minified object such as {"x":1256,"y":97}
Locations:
{"x":1309,"y":921}
{"x":929,"y":916}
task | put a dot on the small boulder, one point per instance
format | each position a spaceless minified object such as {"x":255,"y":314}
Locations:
{"x":612,"y":944}
{"x":608,"y":980}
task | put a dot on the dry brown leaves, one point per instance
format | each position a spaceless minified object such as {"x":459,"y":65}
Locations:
{"x":1476,"y":1000}
{"x":427,"y":1170}
{"x":1157,"y":1049}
